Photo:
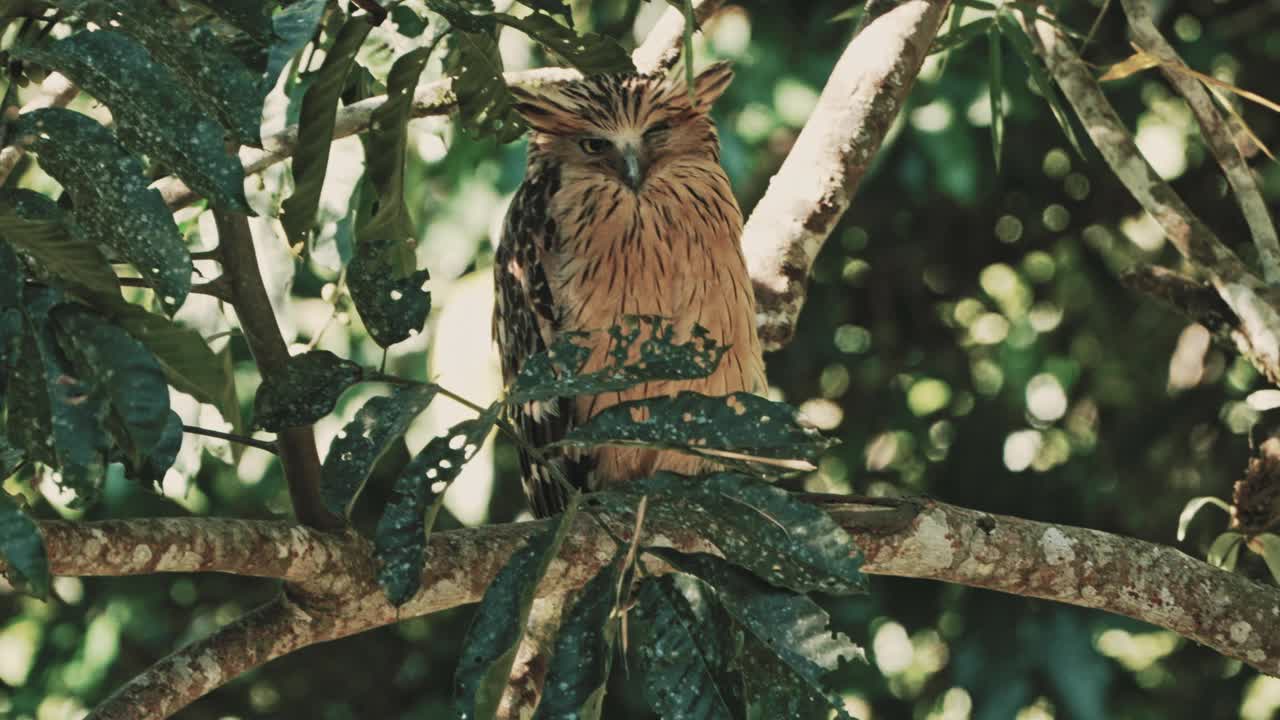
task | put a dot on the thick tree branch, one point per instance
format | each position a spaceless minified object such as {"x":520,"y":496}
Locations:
{"x":296,"y":446}
{"x":1216,"y":135}
{"x":817,"y":181}
{"x":334,"y":591}
{"x":1240,"y":289}
{"x":659,"y":52}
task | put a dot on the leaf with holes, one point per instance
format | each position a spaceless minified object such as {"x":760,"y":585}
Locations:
{"x":36,"y":225}
{"x":738,"y":428}
{"x":380,"y":423}
{"x":485,"y":105}
{"x":791,"y":626}
{"x":113,"y":204}
{"x":688,"y":651}
{"x":121,"y":371}
{"x":551,"y":7}
{"x":489,"y":650}
{"x":315,"y":129}
{"x":589,"y":52}
{"x":22,"y":549}
{"x":641,"y":349}
{"x":154,"y":113}
{"x":400,"y":543}
{"x":306,"y":389}
{"x":583,"y":653}
{"x":392,"y":309}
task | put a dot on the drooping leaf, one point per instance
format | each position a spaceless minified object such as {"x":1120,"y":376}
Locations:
{"x":773,"y":691}
{"x":29,"y":425}
{"x":489,"y":650}
{"x":688,"y":650}
{"x":121,"y":371}
{"x":962,"y":35}
{"x":78,"y":415}
{"x":791,"y":626}
{"x":591,"y":53}
{"x":113,"y":204}
{"x":996,"y":91}
{"x":1192,"y":507}
{"x":408,"y":23}
{"x":392,"y":308}
{"x":151,"y":469}
{"x":1039,"y":75}
{"x":294,"y":27}
{"x":738,"y":426}
{"x":401,"y":540}
{"x":1268,"y":546}
{"x":251,"y":16}
{"x":551,"y":7}
{"x":485,"y":105}
{"x":154,"y":113}
{"x":464,"y":16}
{"x":212,"y":74}
{"x":642,"y":348}
{"x":304,"y":390}
{"x":22,"y":549}
{"x":36,"y":225}
{"x":377,"y":425}
{"x":583,"y":654}
{"x":1225,"y":550}
{"x":758,"y":526}
{"x":315,"y":129}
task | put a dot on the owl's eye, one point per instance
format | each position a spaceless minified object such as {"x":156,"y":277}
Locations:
{"x":656,"y":128}
{"x":593,"y":145}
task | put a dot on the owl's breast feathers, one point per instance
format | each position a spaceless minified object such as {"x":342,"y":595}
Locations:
{"x":582,"y":252}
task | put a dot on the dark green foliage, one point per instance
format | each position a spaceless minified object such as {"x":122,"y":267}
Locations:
{"x":113,"y":204}
{"x":551,"y":7}
{"x":760,"y":527}
{"x":401,"y":539}
{"x":589,"y":52}
{"x":28,"y":425}
{"x":485,"y":105}
{"x":294,"y":26}
{"x":251,"y":16}
{"x":392,"y":308}
{"x":21,"y":548}
{"x":583,"y":654}
{"x":558,"y":372}
{"x":688,"y":651}
{"x":154,"y":113}
{"x":36,"y":225}
{"x":315,"y":129}
{"x":494,"y":636}
{"x":354,"y":452}
{"x":304,"y":390}
{"x":962,"y":35}
{"x":746,"y":425}
{"x":119,"y":370}
{"x":152,"y":468}
{"x":1039,"y":76}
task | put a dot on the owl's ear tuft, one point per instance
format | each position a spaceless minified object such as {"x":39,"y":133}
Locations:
{"x":540,"y":110}
{"x":710,"y":84}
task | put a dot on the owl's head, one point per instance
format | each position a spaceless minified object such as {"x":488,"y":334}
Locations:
{"x":624,"y":125}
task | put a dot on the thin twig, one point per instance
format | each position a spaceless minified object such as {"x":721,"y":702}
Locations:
{"x":266,"y":445}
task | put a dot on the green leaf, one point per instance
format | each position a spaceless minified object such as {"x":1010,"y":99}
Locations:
{"x":1192,"y":507}
{"x":22,"y":549}
{"x":1225,"y":550}
{"x":400,"y":542}
{"x":11,"y":458}
{"x":304,"y":390}
{"x":688,"y":649}
{"x":112,"y":201}
{"x":78,"y":415}
{"x":376,"y":427}
{"x":119,"y":370}
{"x":551,"y":7}
{"x":36,"y":225}
{"x":154,"y":114}
{"x":393,"y":308}
{"x":489,"y":650}
{"x":773,"y":691}
{"x":791,"y":626}
{"x":996,"y":91}
{"x":762,"y":528}
{"x":152,"y":468}
{"x":747,"y":427}
{"x":251,"y":16}
{"x":1268,"y":546}
{"x":641,"y":349}
{"x":28,"y":424}
{"x":11,"y":275}
{"x":591,"y":53}
{"x":485,"y":105}
{"x":294,"y":26}
{"x":217,"y":80}
{"x":583,"y":655}
{"x":962,"y":35}
{"x":315,"y":129}
{"x":462,"y":18}
{"x":1039,"y":76}
{"x":408,"y":23}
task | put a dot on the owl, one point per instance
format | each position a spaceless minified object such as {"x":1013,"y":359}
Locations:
{"x":624,"y":210}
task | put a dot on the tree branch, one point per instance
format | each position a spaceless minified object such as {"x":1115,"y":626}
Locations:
{"x":659,"y":52}
{"x":817,"y":181}
{"x":1216,"y":135}
{"x":297,"y":446}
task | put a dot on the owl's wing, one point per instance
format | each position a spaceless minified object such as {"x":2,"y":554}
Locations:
{"x":524,"y":324}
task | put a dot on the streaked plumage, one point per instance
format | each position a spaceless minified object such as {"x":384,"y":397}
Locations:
{"x":624,"y":210}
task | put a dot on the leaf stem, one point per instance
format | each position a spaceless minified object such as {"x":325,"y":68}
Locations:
{"x":266,"y":445}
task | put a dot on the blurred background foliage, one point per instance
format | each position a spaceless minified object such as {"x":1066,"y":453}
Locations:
{"x":965,"y":337}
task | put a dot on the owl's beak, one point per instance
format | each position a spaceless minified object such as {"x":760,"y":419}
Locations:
{"x":632,"y":168}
